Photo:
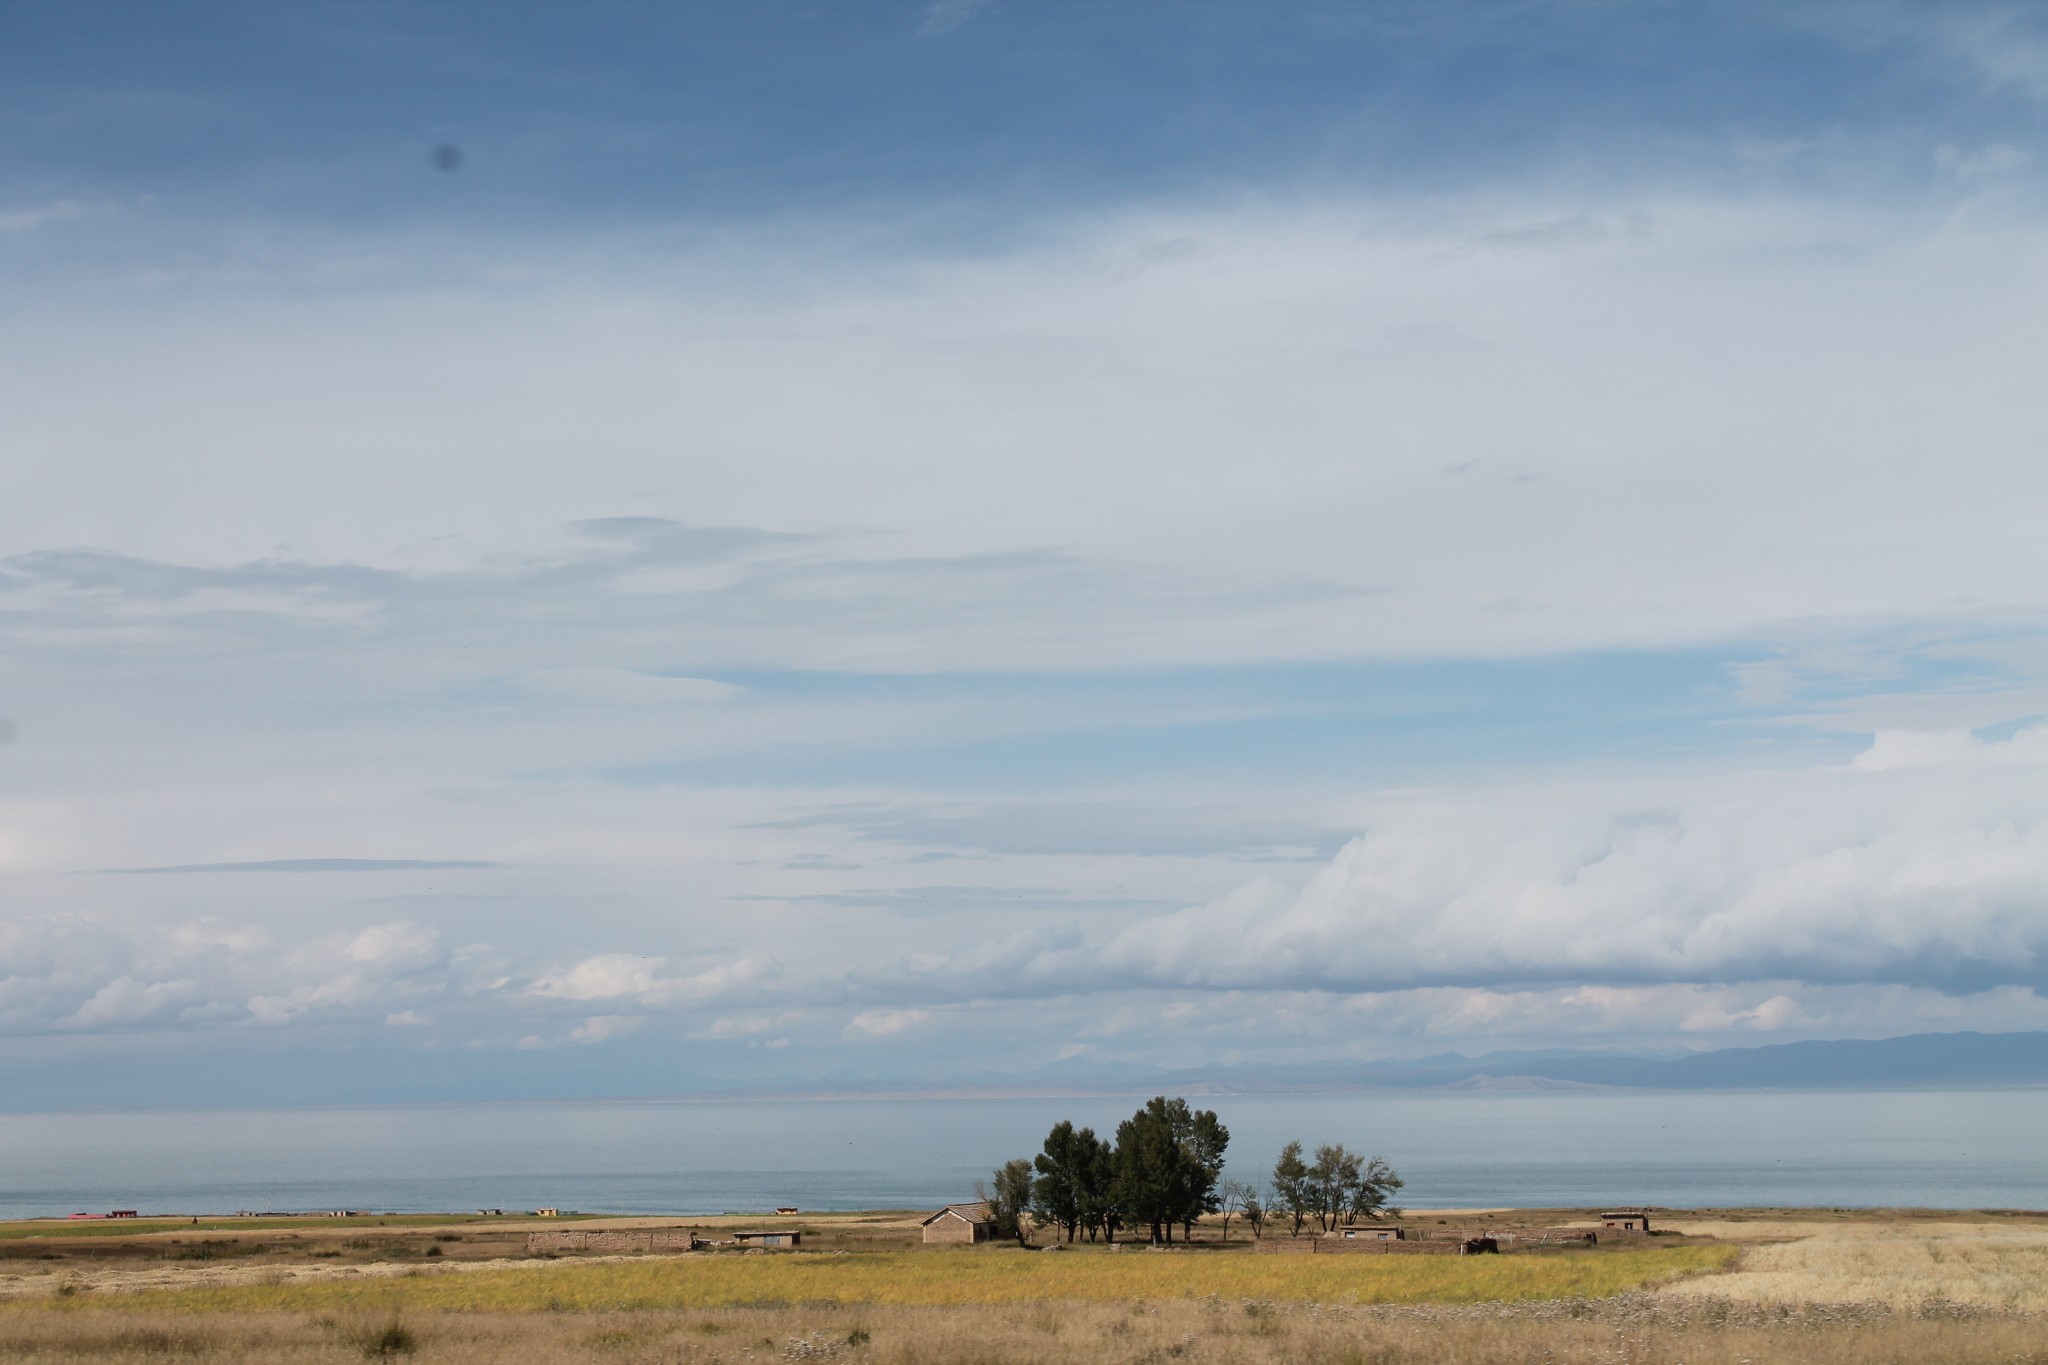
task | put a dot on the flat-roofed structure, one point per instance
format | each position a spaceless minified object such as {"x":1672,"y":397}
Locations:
{"x":1626,"y":1220}
{"x":778,"y":1237}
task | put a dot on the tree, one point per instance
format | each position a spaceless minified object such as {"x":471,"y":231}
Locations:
{"x":1372,"y":1196}
{"x":1331,"y":1181}
{"x":1291,"y":1190}
{"x":1236,"y":1197}
{"x":1095,"y":1188}
{"x":1009,"y":1203}
{"x":1056,"y":1195}
{"x":1148,"y":1161}
{"x":1204,"y":1139}
{"x":1256,"y":1207}
{"x":1168,"y":1161}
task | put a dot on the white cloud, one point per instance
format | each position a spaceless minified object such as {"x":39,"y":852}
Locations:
{"x":944,"y":16}
{"x":1934,"y":874}
{"x":1732,"y":405}
{"x":609,"y":976}
{"x":1927,"y":748}
{"x":621,"y":976}
{"x":126,"y":1002}
{"x":600,"y":1027}
{"x":627,"y":689}
{"x":1985,"y":163}
{"x":42,"y":215}
{"x":884,"y":1023}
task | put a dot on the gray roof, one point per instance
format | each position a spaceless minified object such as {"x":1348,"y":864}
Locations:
{"x":975,"y":1211}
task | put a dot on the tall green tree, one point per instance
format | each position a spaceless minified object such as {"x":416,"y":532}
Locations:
{"x":1009,"y":1200}
{"x":1292,"y":1192}
{"x":1148,"y":1162}
{"x":1373,"y":1196}
{"x":1095,"y":1176}
{"x":1057,"y":1192}
{"x":1168,"y":1161}
{"x":1331,"y":1181}
{"x":1204,"y":1139}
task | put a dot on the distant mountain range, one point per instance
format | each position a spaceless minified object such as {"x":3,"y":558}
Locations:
{"x":1957,"y":1061}
{"x":1917,"y":1061}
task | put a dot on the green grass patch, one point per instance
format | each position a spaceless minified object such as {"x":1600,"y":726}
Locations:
{"x":972,"y":1277}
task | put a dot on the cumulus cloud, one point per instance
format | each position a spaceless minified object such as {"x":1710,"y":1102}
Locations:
{"x":1930,"y":873}
{"x":68,"y":973}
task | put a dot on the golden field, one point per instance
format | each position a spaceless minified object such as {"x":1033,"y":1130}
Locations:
{"x":1822,"y":1289}
{"x":984,"y":1275}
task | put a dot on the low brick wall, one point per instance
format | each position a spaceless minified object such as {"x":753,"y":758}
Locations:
{"x":1439,"y":1242}
{"x":627,"y":1239}
{"x":1354,"y":1246}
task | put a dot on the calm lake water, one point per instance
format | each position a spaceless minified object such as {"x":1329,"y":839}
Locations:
{"x":1948,"y":1149}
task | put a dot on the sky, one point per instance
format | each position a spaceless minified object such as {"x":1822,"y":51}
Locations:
{"x":634,"y":548}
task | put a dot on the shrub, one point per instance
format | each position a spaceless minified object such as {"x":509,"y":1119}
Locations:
{"x":394,"y":1338}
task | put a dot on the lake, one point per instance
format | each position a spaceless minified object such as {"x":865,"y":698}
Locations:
{"x":1981,"y":1149}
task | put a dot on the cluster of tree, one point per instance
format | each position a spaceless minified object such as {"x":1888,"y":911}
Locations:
{"x":1165,"y":1169}
{"x":1339,"y":1186}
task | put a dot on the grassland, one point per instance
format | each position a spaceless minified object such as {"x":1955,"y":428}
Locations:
{"x":1635,"y":1330}
{"x":989,"y":1275}
{"x":42,"y":1229}
{"x":1911,"y":1266}
{"x":1821,"y":1289}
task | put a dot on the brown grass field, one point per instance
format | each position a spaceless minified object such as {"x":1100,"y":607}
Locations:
{"x":1736,"y":1288}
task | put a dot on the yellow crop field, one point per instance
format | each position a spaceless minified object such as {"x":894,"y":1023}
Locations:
{"x":908,"y":1278}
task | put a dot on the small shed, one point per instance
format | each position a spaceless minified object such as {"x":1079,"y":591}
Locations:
{"x":1375,"y":1232}
{"x":786,"y":1210}
{"x":779,"y":1237}
{"x":960,"y":1223}
{"x":1626,"y":1220}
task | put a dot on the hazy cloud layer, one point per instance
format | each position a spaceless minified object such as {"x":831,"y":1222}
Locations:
{"x":1340,"y":566}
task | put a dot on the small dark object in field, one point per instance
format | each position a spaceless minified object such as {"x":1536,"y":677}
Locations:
{"x":1479,"y":1246}
{"x":434,"y":1250}
{"x":857,"y":1337}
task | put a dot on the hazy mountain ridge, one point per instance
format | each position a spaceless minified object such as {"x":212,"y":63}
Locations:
{"x":1915,"y":1061}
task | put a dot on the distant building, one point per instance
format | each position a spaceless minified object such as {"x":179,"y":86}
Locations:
{"x":547,"y":1213}
{"x":786,"y":1210}
{"x":1375,"y":1232}
{"x":780,"y":1237}
{"x":960,"y":1223}
{"x":121,"y":1213}
{"x":1626,"y":1220}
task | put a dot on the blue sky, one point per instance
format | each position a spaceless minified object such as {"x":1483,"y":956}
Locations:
{"x":962,"y":537}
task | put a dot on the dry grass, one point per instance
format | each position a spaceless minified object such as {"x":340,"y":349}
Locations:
{"x":1637,"y":1330}
{"x":1912,"y":1267}
{"x":1810,"y":1287}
